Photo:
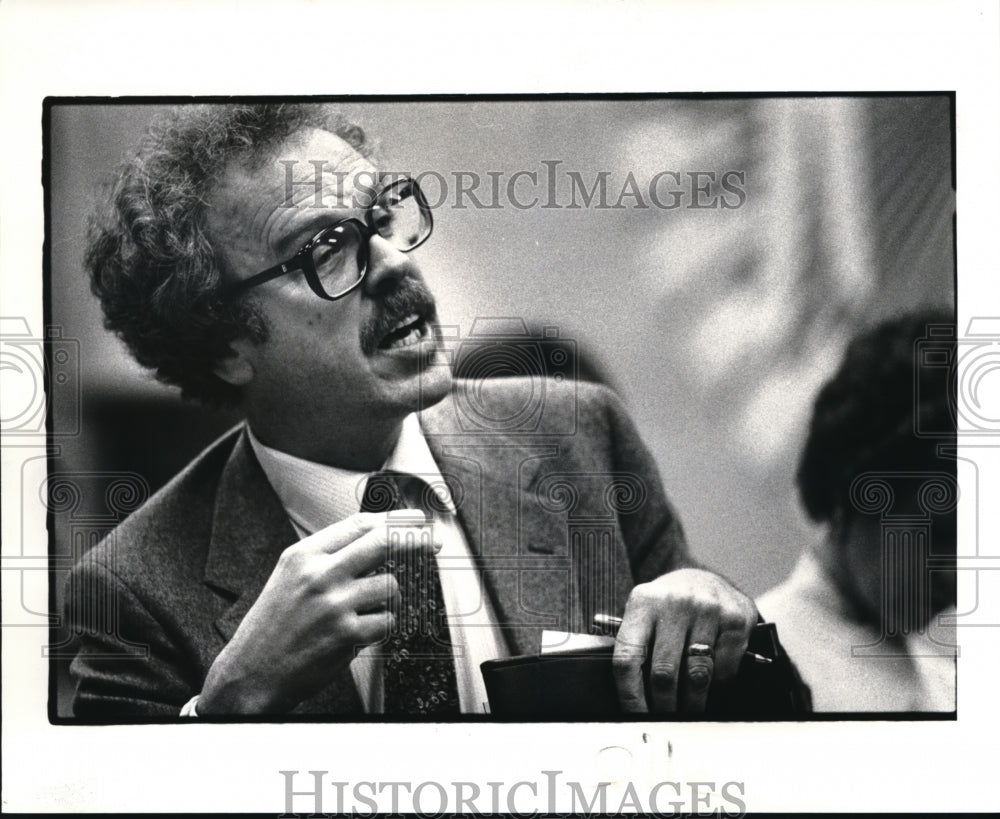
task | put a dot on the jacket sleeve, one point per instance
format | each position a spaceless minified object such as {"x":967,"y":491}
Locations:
{"x":126,"y":665}
{"x":650,"y":525}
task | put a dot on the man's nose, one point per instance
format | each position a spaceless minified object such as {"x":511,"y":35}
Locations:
{"x":387,"y":266}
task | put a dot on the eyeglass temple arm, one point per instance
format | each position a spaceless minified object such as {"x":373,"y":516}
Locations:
{"x":264,"y":276}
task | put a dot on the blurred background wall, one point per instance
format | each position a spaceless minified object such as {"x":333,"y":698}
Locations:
{"x":717,"y":325}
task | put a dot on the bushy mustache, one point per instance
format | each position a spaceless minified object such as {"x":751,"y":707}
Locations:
{"x":408,"y":297}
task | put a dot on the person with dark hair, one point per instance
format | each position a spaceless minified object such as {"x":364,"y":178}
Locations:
{"x":376,"y":529}
{"x":861,"y":610}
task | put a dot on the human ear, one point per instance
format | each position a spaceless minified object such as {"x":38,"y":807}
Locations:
{"x":237,"y":368}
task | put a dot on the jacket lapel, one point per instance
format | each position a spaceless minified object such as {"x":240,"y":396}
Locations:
{"x":512,"y":542}
{"x":249,"y":531}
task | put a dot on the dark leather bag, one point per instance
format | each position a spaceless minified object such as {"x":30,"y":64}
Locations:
{"x":580,"y":686}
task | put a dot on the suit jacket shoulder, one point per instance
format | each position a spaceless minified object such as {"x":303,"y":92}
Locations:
{"x":156,"y":601}
{"x":173,"y":526}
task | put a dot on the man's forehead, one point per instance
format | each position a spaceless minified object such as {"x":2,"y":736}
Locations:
{"x":268,"y":209}
{"x":306,"y":163}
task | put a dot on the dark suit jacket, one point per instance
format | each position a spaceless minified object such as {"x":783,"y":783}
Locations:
{"x":560,"y":502}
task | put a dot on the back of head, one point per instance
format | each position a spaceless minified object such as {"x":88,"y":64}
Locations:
{"x":865,"y":418}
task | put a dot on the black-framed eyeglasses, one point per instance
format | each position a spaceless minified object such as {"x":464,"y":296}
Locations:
{"x":335,"y":260}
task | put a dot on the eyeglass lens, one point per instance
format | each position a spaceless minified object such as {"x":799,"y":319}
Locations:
{"x":338,"y":258}
{"x":399,"y":218}
{"x":339,"y":254}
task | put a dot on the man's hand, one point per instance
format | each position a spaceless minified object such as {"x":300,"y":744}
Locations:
{"x":320,"y":604}
{"x":654,"y":666}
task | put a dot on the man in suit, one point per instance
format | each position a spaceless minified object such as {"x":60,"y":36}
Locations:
{"x":253,"y":255}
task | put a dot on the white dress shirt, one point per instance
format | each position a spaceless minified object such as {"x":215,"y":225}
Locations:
{"x":316,"y":496}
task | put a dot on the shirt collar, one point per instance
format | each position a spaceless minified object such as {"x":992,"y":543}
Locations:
{"x":315,"y":495}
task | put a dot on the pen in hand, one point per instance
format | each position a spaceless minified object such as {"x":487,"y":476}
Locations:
{"x":609,"y":624}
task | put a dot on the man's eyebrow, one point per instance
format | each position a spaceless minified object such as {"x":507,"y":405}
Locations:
{"x":294,"y":240}
{"x":321,"y":218}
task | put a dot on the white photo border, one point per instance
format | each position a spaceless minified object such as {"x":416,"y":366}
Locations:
{"x":215,"y":48}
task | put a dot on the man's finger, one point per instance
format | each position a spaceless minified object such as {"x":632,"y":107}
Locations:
{"x":335,"y":537}
{"x":666,"y":666}
{"x":628,"y":661}
{"x":699,"y":669}
{"x":729,"y":648}
{"x":373,"y":549}
{"x":375,"y":593}
{"x":372,"y":628}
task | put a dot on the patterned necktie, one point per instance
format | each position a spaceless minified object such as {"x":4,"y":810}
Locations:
{"x":419,"y":667}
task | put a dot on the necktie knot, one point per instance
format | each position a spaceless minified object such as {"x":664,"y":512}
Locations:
{"x":388,"y":490}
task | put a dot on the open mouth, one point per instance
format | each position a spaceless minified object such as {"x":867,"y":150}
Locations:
{"x":410,"y":330}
